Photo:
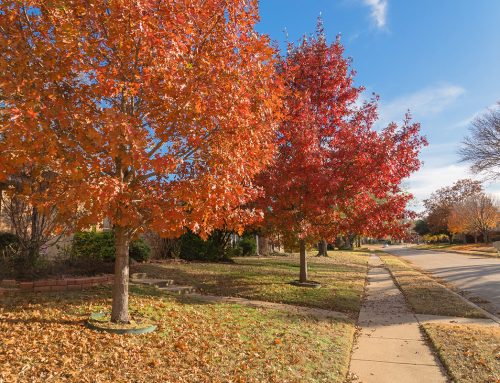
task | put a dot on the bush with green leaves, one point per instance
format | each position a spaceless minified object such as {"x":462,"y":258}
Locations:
{"x":248,"y":245}
{"x":101,"y":246}
{"x":139,"y":250}
{"x":193,"y":247}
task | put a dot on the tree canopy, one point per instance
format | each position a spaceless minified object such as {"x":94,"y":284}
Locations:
{"x":156,"y":115}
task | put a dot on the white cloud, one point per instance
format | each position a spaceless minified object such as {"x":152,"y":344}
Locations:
{"x":467,"y":121}
{"x":379,"y":11}
{"x":428,"y":179}
{"x":423,"y":103}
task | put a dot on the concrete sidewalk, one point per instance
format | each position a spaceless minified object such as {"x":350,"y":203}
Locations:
{"x":391,"y":347}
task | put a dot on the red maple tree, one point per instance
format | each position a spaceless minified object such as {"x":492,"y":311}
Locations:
{"x":334,"y":173}
{"x":155,"y":115}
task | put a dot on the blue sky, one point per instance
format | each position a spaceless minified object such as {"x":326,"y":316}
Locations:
{"x":440,"y":59}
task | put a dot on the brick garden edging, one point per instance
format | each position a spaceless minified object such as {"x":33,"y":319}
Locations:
{"x":61,"y":284}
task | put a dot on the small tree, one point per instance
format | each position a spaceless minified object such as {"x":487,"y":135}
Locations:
{"x":482,"y":148}
{"x":34,"y":222}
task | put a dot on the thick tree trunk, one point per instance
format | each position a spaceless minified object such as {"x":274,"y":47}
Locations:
{"x":263,"y":245}
{"x":348,"y":243}
{"x":119,"y":312}
{"x":323,"y":248}
{"x":303,"y":262}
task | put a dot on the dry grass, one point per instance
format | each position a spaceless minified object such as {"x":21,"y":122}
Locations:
{"x":469,"y":249}
{"x":425,"y":294}
{"x":42,"y":339}
{"x":342,"y":276}
{"x":470,"y":353}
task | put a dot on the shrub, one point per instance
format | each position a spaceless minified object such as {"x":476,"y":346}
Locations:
{"x":100,"y":246}
{"x":248,"y":245}
{"x":213,"y":249}
{"x":236,"y":251}
{"x":139,"y":250}
{"x":94,"y":245}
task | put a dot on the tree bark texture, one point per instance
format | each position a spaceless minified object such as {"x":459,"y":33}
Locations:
{"x":263,"y":245}
{"x":323,"y":248}
{"x":303,"y":262}
{"x":119,"y":312}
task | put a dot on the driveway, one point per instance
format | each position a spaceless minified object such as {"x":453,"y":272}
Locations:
{"x":477,"y":276}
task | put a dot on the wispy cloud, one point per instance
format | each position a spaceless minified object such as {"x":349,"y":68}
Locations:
{"x":467,"y":121}
{"x":378,"y":11}
{"x":423,"y":103}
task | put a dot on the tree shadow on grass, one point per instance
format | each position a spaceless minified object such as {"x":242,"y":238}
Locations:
{"x":71,"y":322}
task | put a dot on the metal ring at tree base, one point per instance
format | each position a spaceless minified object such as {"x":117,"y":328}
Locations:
{"x":95,"y":326}
{"x":310,"y":284}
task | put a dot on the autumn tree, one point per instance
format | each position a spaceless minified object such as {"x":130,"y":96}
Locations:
{"x":156,"y":115}
{"x":438,"y":206}
{"x":477,"y":214}
{"x":458,"y":220}
{"x":332,"y":166}
{"x":482,"y":148}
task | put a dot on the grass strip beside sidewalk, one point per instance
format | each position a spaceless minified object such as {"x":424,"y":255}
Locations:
{"x":470,"y":353}
{"x":426,"y":295}
{"x":466,"y":249}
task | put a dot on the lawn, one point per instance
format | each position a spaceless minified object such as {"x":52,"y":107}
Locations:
{"x":342,"y":276}
{"x":42,"y":339}
{"x":470,"y":353}
{"x":424,"y":294}
{"x":470,"y":248}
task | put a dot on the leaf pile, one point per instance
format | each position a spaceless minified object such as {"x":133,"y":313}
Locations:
{"x":42,"y":339}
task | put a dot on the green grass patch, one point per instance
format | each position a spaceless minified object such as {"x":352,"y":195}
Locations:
{"x":342,"y":276}
{"x":43,"y":339}
{"x":425,"y":294}
{"x":470,"y":353}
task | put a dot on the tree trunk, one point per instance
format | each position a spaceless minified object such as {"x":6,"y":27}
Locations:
{"x":323,"y":248}
{"x":263,"y":245}
{"x":34,"y":248}
{"x":119,"y":312}
{"x":303,"y":262}
{"x":257,"y":247}
{"x":348,"y":243}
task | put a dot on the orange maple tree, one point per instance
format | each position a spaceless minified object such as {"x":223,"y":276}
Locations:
{"x":153,"y":114}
